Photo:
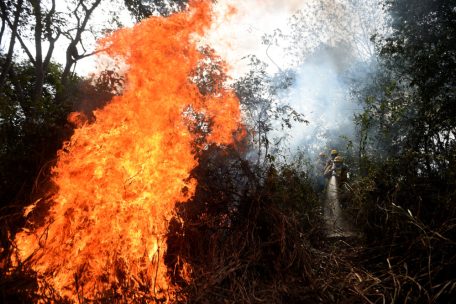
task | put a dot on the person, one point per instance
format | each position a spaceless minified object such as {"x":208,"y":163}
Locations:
{"x":340,"y":171}
{"x":333,"y":155}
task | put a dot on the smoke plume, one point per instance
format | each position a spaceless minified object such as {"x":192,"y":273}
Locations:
{"x":325,"y":44}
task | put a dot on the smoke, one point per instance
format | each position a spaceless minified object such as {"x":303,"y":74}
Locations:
{"x":331,"y":50}
{"x":321,"y":93}
{"x":326,"y":44}
{"x":239,"y":27}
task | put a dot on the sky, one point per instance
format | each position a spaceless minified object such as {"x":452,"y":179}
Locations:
{"x":238,"y":35}
{"x":232,"y":37}
{"x":241,"y":34}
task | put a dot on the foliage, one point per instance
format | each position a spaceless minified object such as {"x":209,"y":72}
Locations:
{"x":407,"y":154}
{"x":28,"y":140}
{"x":266,"y":116}
{"x":142,"y":9}
{"x":410,"y":99}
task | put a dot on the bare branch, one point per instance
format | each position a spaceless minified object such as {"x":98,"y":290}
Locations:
{"x":39,"y":68}
{"x":72,"y":55}
{"x":16,"y":34}
{"x":93,"y":53}
{"x":14,"y":27}
{"x":25,"y":49}
{"x":51,"y":39}
{"x":2,"y":29}
{"x":51,"y":48}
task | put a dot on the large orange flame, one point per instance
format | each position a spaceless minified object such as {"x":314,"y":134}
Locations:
{"x":119,"y":178}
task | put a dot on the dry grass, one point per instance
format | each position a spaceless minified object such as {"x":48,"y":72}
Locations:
{"x":250,"y":237}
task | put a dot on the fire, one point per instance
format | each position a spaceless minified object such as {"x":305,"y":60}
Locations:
{"x":119,"y":177}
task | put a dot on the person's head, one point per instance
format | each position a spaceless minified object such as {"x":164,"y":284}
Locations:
{"x":338,"y":161}
{"x":322,"y":155}
{"x":334,"y":153}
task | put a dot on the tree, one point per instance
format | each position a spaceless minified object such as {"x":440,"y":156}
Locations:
{"x":37,"y":25}
{"x":39,"y":22}
{"x":410,"y":98}
{"x":407,"y":133}
{"x":141,"y":9}
{"x":264,"y":112}
{"x":422,"y":51}
{"x":333,"y":23}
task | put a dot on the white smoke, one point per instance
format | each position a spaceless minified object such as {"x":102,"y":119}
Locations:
{"x":321,"y":41}
{"x":322,"y":95}
{"x":234,"y":36}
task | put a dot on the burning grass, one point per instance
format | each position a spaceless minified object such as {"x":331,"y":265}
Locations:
{"x":117,"y":179}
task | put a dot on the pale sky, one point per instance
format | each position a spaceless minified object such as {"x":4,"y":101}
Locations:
{"x":234,"y":37}
{"x":240,"y":35}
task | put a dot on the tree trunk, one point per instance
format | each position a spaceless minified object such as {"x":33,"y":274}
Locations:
{"x":72,"y":55}
{"x":39,"y":68}
{"x":9,"y":56}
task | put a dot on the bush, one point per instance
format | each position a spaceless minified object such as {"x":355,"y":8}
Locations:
{"x":246,"y":235}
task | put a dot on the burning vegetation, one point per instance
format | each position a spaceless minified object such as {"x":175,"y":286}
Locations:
{"x":118,"y":178}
